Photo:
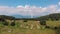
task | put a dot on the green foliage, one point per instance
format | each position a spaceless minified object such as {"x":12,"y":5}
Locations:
{"x":7,"y":17}
{"x":53,"y":17}
{"x":43,"y":22}
{"x":25,"y":20}
{"x":5,"y":23}
{"x":58,"y":30}
{"x":12,"y":23}
{"x":55,"y":27}
{"x":47,"y":27}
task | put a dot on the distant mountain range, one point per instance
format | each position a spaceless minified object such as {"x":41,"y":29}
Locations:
{"x":53,"y":16}
{"x":29,"y":16}
{"x":22,"y":16}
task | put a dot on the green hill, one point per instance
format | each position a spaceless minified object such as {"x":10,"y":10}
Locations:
{"x":54,"y":16}
{"x":6,"y":17}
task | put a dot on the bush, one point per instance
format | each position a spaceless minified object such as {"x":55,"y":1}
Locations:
{"x":57,"y":19}
{"x":55,"y":27}
{"x":2,"y":19}
{"x":25,"y":20}
{"x":5,"y":23}
{"x":47,"y":27}
{"x":43,"y":22}
{"x":52,"y":19}
{"x":12,"y":24}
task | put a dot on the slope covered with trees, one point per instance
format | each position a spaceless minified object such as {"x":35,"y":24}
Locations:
{"x":7,"y":17}
{"x":55,"y":16}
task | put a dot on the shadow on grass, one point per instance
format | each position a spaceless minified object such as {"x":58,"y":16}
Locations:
{"x":58,"y":30}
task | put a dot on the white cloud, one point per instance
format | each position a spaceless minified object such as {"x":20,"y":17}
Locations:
{"x":28,"y":10}
{"x":52,"y":8}
{"x":20,"y":6}
{"x":58,"y":3}
{"x":57,"y":11}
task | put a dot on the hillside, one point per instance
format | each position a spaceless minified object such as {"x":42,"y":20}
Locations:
{"x":46,"y":17}
{"x":31,"y":25}
{"x":54,"y":16}
{"x":6,"y":17}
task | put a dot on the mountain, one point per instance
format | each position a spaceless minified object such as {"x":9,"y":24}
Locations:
{"x":7,"y":17}
{"x":54,"y":16}
{"x":23,"y":16}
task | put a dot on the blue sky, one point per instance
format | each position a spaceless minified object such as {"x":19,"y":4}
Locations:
{"x":29,"y":7}
{"x":28,"y":2}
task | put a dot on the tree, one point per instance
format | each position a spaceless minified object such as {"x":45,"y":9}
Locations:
{"x":43,"y":22}
{"x":55,"y":27}
{"x":5,"y":23}
{"x":47,"y":27}
{"x":12,"y":23}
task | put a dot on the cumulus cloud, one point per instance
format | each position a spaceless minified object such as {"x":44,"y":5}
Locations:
{"x":28,"y":10}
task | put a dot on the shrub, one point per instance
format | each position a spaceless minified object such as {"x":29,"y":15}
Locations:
{"x":5,"y":23}
{"x":43,"y":22}
{"x":47,"y":27}
{"x":55,"y":27}
{"x":52,"y":19}
{"x":12,"y":23}
{"x":25,"y":20}
{"x":57,"y":19}
{"x":2,"y":19}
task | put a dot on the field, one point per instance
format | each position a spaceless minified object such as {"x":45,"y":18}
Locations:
{"x":30,"y":27}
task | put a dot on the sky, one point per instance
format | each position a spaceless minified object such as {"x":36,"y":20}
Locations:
{"x":29,"y":7}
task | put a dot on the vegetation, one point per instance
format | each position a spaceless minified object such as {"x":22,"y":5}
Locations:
{"x":55,"y":27}
{"x":7,"y":17}
{"x":12,"y":23}
{"x":55,"y":16}
{"x":43,"y":22}
{"x":49,"y":24}
{"x":47,"y":27}
{"x":5,"y":23}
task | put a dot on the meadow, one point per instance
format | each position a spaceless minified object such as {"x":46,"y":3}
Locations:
{"x":30,"y":27}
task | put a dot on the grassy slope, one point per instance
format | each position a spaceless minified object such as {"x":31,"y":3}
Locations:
{"x":53,"y":23}
{"x":19,"y":28}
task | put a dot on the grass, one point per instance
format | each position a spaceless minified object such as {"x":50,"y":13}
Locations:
{"x":53,"y":23}
{"x":20,"y":28}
